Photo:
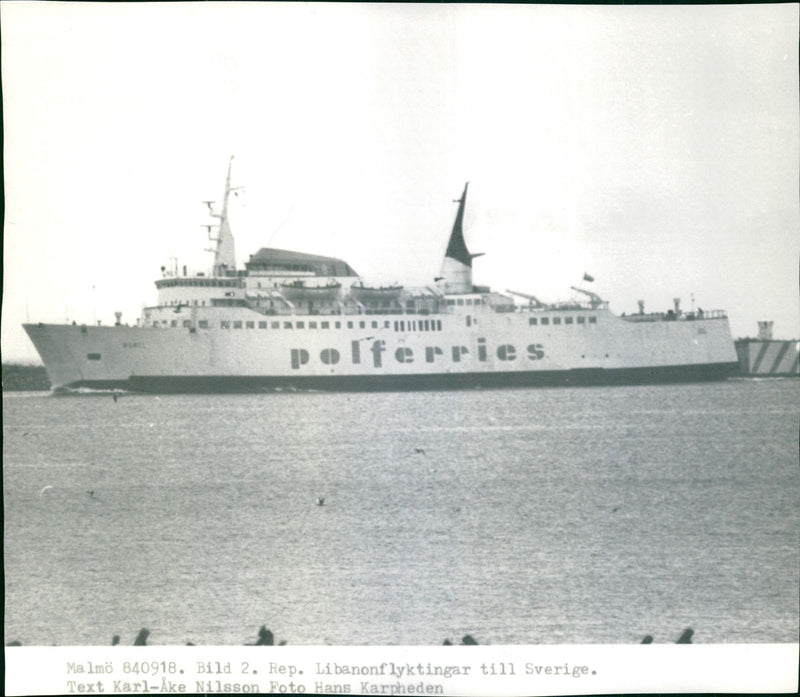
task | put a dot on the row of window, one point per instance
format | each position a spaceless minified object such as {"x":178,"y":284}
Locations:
{"x":466,"y":301}
{"x":196,"y":283}
{"x":557,"y":320}
{"x":414,"y":325}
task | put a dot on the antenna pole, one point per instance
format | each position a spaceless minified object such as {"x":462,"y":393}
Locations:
{"x":224,"y":254}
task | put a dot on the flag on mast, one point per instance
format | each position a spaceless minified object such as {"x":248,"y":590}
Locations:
{"x":587,"y":277}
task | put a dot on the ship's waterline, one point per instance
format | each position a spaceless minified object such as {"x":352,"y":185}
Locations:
{"x":299,"y":321}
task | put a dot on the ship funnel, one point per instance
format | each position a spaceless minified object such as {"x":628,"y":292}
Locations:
{"x":765,"y":330}
{"x":457,"y":265}
{"x":641,"y":306}
{"x":118,"y":315}
{"x":677,"y":302}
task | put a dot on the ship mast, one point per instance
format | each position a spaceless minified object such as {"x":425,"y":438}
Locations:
{"x":225,"y":252}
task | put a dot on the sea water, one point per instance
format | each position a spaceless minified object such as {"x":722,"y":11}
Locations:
{"x":531,"y":516}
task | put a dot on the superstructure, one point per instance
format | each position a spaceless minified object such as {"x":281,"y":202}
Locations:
{"x":295,"y":321}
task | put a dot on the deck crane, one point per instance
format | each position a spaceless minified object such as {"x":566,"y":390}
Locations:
{"x":533,"y":301}
{"x":594,"y":299}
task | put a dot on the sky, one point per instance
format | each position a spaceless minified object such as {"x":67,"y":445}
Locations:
{"x":654,"y":147}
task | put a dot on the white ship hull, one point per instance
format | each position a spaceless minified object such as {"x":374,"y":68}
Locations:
{"x":499,"y":349}
{"x":242,"y":330}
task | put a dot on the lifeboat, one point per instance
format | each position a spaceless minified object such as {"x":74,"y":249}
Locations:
{"x":301,"y":291}
{"x":375,"y":295}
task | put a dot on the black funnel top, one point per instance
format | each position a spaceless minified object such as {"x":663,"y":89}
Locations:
{"x":457,"y":248}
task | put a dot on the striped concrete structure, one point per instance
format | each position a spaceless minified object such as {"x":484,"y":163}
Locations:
{"x":768,"y":358}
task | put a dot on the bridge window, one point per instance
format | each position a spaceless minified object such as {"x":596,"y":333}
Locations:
{"x":187,"y":323}
{"x":93,"y":356}
{"x":327,"y":325}
{"x":338,"y":325}
{"x":568,"y":320}
{"x":581,"y":320}
{"x":593,"y":320}
{"x":250,"y":325}
{"x":312,"y":325}
{"x":237,"y":324}
{"x":545,"y":320}
{"x":262,"y":325}
{"x":533,"y":320}
{"x":276,"y":325}
{"x":225,"y":324}
{"x":287,"y":325}
{"x":556,"y":320}
{"x":301,"y":325}
{"x":203,"y":324}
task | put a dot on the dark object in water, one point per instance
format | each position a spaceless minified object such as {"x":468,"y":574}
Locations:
{"x":466,"y":641}
{"x":265,"y":637}
{"x":686,"y":637}
{"x":320,"y":500}
{"x":189,"y":643}
{"x":141,"y":638}
{"x":14,"y":643}
{"x":647,"y":640}
{"x":115,"y":640}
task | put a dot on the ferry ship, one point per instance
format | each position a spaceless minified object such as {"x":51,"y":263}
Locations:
{"x":296,"y":321}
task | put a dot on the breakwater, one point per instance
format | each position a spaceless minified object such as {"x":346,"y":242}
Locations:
{"x":267,"y":638}
{"x":20,"y":377}
{"x":768,"y":358}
